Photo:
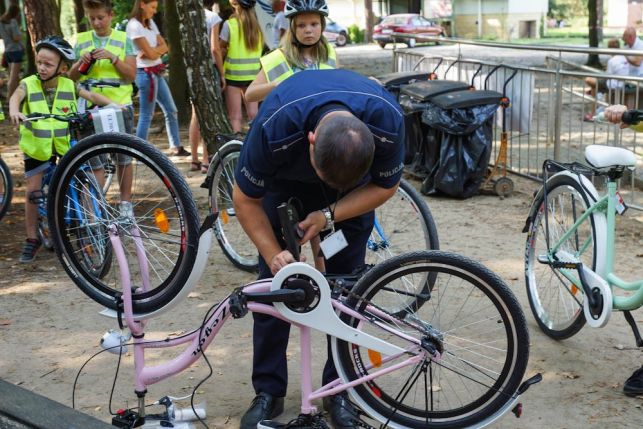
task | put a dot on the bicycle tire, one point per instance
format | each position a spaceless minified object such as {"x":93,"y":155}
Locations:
{"x":557,"y":306}
{"x":6,"y":188}
{"x":163,"y":213}
{"x":94,"y":246}
{"x":471,"y":316}
{"x":42,"y":229}
{"x":401,"y":216}
{"x":232,"y":239}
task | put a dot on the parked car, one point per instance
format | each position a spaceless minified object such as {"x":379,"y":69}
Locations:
{"x":336,"y":33}
{"x":408,"y":23}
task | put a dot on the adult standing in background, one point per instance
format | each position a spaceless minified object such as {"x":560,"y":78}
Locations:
{"x":633,"y":42}
{"x":14,"y":52}
{"x":242,"y":41}
{"x":280,"y":24}
{"x":150,"y":46}
{"x":212,"y":21}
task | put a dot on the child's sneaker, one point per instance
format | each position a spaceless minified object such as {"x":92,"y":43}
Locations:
{"x":29,"y":250}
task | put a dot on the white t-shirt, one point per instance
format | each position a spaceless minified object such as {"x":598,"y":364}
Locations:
{"x":280,"y":23}
{"x":136,"y":30}
{"x":617,"y":65}
{"x":211,"y":19}
{"x":638,"y":46}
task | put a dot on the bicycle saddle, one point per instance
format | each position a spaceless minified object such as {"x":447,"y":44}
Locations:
{"x":600,"y":156}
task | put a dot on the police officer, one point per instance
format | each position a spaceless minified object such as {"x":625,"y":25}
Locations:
{"x":334,"y":140}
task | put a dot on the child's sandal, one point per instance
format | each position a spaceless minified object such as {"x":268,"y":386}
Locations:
{"x":195,"y":166}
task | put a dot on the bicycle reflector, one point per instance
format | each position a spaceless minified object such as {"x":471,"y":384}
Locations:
{"x":162,"y":222}
{"x":375,"y":357}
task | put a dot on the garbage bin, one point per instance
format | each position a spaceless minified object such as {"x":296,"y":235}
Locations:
{"x":459,"y":141}
{"x":394,"y":81}
{"x":419,"y":139}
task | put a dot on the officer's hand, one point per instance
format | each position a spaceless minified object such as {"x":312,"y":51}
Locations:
{"x":312,"y":225}
{"x":282,"y":259}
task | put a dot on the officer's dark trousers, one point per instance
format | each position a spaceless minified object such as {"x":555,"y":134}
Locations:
{"x":270,"y":337}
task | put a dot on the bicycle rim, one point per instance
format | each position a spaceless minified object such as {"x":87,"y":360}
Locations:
{"x":474,"y":320}
{"x":232,"y":239}
{"x":555,"y":301}
{"x":163,"y":220}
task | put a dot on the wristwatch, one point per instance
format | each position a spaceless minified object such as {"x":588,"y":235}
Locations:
{"x":329,"y":219}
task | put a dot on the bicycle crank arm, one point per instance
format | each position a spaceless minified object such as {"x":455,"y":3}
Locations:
{"x":323,"y":317}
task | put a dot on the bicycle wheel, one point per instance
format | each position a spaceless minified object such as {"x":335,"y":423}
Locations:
{"x":6,"y":188}
{"x":162,"y":219}
{"x":471,"y":319}
{"x":42,"y":229}
{"x":555,"y":301}
{"x":234,"y":242}
{"x":86,"y":213}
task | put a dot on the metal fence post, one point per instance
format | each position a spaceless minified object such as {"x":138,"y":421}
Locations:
{"x":559,"y":109}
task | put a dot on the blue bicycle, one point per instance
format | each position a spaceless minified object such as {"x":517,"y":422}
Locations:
{"x":84,"y":205}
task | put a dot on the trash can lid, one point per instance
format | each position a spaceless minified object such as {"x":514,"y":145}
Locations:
{"x":426,"y":90}
{"x":464,"y":99}
{"x":401,"y":78}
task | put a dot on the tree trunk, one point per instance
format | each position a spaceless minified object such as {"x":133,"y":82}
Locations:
{"x":599,"y":19}
{"x":79,"y":13}
{"x":202,"y":75}
{"x":592,"y":59}
{"x":370,"y":21}
{"x":43,"y":19}
{"x":178,"y":81}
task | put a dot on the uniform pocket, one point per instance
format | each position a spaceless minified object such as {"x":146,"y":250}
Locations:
{"x":286,"y":148}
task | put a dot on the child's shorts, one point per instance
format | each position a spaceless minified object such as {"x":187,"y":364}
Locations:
{"x":35,"y":166}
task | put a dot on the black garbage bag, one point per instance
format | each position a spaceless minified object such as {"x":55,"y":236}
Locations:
{"x":458,"y":148}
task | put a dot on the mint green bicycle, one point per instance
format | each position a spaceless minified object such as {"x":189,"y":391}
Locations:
{"x":569,"y":254}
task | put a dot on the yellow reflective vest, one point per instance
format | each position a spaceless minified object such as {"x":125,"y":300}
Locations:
{"x":276,"y":67}
{"x":38,"y":139}
{"x":104,"y":69}
{"x":241,"y":64}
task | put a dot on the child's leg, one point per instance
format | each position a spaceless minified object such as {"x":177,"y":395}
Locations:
{"x":233,"y":101}
{"x":34,"y":187}
{"x":194,"y":135}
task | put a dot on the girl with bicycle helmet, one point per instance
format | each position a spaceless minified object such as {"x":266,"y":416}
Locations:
{"x":242,"y":41}
{"x":47,"y":91}
{"x":303,"y":47}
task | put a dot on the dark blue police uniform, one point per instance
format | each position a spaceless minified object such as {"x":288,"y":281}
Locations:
{"x":274,"y":165}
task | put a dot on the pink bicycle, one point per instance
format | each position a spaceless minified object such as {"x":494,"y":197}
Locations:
{"x":424,"y":339}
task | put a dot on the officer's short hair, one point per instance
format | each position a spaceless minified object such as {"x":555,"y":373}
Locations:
{"x":344,"y":150}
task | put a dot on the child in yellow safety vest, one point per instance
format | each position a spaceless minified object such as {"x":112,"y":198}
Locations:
{"x":44,"y":92}
{"x":303,"y":47}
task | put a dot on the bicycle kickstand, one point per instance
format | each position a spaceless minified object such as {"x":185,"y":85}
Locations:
{"x":635,"y":329}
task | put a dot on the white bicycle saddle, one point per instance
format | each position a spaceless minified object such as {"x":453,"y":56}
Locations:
{"x":600,"y":156}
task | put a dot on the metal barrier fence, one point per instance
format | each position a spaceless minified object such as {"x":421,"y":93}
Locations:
{"x":548,"y":104}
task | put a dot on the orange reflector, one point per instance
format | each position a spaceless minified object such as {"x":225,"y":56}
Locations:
{"x":161,"y":220}
{"x":574,"y":289}
{"x":375,"y":357}
{"x":223,"y":215}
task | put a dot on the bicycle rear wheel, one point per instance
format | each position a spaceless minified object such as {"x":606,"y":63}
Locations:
{"x":6,"y":188}
{"x":162,"y":218}
{"x":232,"y":239}
{"x":473,"y":321}
{"x":555,"y":300}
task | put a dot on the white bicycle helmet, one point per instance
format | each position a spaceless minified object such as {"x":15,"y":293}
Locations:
{"x":58,"y":44}
{"x":295,"y":7}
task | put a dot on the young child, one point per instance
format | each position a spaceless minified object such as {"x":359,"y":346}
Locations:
{"x":112,"y":58}
{"x":47,"y":91}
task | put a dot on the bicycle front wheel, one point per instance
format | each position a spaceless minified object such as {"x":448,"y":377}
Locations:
{"x":6,"y":188}
{"x":471,"y":337}
{"x":232,"y":239}
{"x":555,"y":300}
{"x":158,"y":228}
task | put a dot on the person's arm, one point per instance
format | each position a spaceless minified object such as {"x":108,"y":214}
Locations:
{"x":614,"y":114}
{"x":256,"y":224}
{"x":14,"y":105}
{"x":635,"y":60}
{"x":260,"y":87}
{"x":357,"y":202}
{"x":217,"y":54}
{"x":148,"y":52}
{"x":94,"y":97}
{"x":126,"y":69}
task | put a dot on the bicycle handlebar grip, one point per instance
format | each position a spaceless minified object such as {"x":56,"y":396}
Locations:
{"x":632,"y":117}
{"x":289,"y":219}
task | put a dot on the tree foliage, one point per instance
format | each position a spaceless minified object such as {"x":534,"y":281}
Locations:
{"x":566,"y":9}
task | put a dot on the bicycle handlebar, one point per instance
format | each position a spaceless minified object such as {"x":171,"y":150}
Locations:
{"x":97,"y":83}
{"x":632,"y":117}
{"x":73,"y":117}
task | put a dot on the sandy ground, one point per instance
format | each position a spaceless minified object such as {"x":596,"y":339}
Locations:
{"x":48,"y":328}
